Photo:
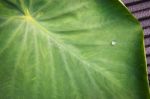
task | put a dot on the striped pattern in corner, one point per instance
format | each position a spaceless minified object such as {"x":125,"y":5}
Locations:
{"x":141,"y":10}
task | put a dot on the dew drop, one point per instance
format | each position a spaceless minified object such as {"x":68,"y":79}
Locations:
{"x":113,"y":43}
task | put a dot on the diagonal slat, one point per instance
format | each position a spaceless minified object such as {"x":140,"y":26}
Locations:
{"x":142,"y":14}
{"x":148,"y":62}
{"x":145,"y":23}
{"x":147,"y":31}
{"x":130,"y":1}
{"x":147,"y":42}
{"x":148,"y":51}
{"x":139,"y":6}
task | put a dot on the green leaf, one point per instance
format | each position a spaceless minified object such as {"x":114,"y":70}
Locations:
{"x":70,"y":49}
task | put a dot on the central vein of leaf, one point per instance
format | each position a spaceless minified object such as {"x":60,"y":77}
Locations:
{"x":27,"y":15}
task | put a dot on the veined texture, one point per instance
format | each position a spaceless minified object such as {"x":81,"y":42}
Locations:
{"x":70,"y":49}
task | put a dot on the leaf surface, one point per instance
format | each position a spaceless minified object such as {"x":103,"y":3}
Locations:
{"x":70,"y":49}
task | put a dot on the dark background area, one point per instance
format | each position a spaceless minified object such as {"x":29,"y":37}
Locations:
{"x":141,"y":10}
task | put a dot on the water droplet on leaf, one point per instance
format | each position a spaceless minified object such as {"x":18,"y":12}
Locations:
{"x":113,"y":43}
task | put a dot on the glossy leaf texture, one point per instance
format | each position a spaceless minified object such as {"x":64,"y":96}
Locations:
{"x":70,"y":49}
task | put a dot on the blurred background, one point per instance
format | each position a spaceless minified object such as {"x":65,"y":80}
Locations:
{"x":141,"y":10}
